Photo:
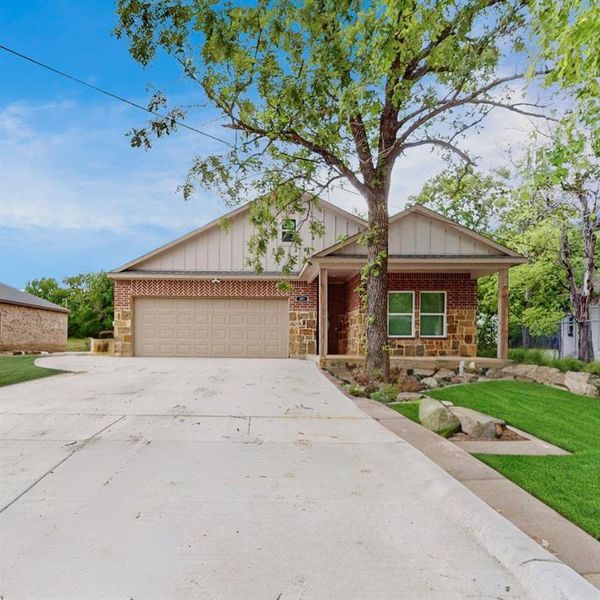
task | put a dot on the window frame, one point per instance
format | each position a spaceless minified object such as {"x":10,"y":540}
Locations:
{"x":428,"y":314}
{"x":412,"y":314}
{"x":285,"y":231}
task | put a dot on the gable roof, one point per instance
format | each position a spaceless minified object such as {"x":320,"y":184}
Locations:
{"x":419,"y":209}
{"x":216,"y":223}
{"x":11,"y":295}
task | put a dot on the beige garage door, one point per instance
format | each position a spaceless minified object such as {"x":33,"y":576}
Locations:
{"x":210,"y":327}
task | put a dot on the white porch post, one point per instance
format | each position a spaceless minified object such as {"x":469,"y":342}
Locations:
{"x":323,"y":313}
{"x":503,"y":314}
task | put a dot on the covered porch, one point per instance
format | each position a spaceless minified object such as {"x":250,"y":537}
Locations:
{"x":449,"y":283}
{"x":433,"y":268}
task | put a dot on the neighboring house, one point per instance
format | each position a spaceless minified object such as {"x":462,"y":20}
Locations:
{"x":29,"y":323}
{"x":568,"y":334}
{"x":197,"y":296}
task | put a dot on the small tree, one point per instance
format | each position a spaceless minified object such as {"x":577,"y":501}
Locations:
{"x":325,"y":92}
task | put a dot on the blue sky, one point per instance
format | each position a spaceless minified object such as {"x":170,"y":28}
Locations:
{"x":73,"y":195}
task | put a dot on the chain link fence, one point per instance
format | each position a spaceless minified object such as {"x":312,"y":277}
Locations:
{"x":561,"y":344}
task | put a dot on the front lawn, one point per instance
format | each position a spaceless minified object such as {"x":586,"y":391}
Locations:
{"x":15,"y":369}
{"x":569,"y":484}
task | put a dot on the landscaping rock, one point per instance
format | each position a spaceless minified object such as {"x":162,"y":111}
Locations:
{"x":545,"y":375}
{"x":585,"y":384}
{"x":478,"y":425}
{"x":423,"y":372}
{"x":447,"y":403}
{"x":445,"y":374}
{"x":410,"y":384}
{"x":466,"y":378}
{"x":408,"y":397}
{"x":435,"y":416}
{"x":430,"y":382}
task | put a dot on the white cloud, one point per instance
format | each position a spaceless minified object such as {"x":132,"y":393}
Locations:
{"x":71,"y":167}
{"x":68,"y":166}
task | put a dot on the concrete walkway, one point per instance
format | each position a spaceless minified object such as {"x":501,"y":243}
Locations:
{"x":236,"y":479}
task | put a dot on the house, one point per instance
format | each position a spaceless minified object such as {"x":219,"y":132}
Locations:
{"x":29,"y":323}
{"x":568,"y":336}
{"x":197,"y":296}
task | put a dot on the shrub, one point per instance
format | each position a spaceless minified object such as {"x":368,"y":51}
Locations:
{"x":535,"y":356}
{"x":380,"y":397}
{"x":357,"y":391}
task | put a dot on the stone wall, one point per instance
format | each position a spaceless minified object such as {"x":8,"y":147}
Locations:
{"x":302,"y":315}
{"x":461,"y":298}
{"x":23,"y":328}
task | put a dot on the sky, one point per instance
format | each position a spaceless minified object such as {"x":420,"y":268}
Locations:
{"x":74,"y":196}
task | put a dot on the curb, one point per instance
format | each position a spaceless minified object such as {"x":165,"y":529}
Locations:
{"x":542,"y":574}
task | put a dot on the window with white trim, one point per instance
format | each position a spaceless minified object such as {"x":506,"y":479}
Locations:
{"x":401,"y":309}
{"x":288,"y":230}
{"x":432,"y":319}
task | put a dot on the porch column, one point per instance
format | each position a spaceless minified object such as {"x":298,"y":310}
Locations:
{"x":503,"y":314}
{"x":323,"y":313}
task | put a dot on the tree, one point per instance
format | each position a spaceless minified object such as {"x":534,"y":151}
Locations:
{"x":562,"y":181}
{"x":88,"y":296}
{"x":466,"y":196}
{"x":492,"y":204}
{"x":323,"y":92}
{"x":49,"y":289}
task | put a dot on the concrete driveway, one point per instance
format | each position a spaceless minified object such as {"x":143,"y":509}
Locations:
{"x":223,"y":479}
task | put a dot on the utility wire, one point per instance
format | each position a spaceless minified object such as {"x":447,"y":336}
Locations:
{"x":107,"y":93}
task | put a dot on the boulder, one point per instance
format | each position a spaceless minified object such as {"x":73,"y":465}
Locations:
{"x":584,"y":384}
{"x":430,"y":382}
{"x":423,"y":372}
{"x":435,"y":416}
{"x":545,"y":375}
{"x":478,"y":425}
{"x":408,"y":397}
{"x":445,"y":374}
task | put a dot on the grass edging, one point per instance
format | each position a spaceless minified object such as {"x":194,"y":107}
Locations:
{"x":17,"y":369}
{"x":568,"y":484}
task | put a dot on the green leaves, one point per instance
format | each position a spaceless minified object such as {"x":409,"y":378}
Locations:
{"x":88,"y":296}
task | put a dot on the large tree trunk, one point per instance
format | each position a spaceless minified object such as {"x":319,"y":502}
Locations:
{"x":585,"y":346}
{"x":377,"y":287}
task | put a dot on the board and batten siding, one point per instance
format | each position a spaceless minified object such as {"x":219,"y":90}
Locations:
{"x":222,"y":249}
{"x":422,"y":236}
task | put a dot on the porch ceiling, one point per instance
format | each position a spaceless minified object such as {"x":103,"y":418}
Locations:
{"x":343,"y":268}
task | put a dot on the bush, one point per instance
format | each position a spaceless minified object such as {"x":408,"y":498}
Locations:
{"x":535,"y":356}
{"x":357,"y":391}
{"x":380,"y":397}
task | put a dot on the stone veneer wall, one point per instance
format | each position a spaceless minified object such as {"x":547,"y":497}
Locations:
{"x":302,"y":315}
{"x":23,"y":328}
{"x":461,"y":297}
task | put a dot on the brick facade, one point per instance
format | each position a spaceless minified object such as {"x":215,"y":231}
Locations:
{"x":302,"y":315}
{"x":23,"y":328}
{"x":461,"y":298}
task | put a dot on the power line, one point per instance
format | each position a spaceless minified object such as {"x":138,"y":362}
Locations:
{"x":107,"y":93}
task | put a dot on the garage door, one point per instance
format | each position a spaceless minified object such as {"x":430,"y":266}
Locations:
{"x":210,"y":327}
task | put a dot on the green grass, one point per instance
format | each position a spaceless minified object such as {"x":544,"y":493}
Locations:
{"x":409,"y":409}
{"x":533,"y":356}
{"x":15,"y":369}
{"x":78,"y":344}
{"x":569,"y":484}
